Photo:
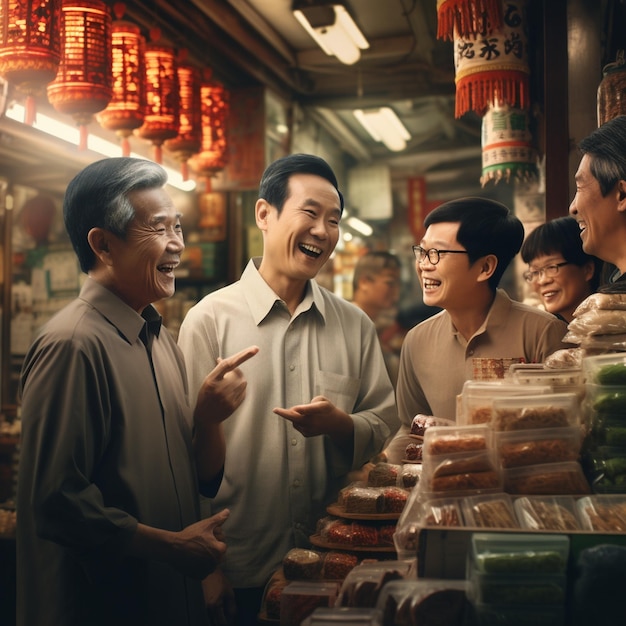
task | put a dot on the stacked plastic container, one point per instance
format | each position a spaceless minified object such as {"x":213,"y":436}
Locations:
{"x":604,"y":455}
{"x":518,"y":579}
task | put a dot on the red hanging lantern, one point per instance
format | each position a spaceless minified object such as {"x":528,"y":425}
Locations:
{"x":189,"y":138}
{"x":162,"y":118}
{"x":83,"y":84}
{"x":468,"y":18}
{"x":30,"y":46}
{"x":127,"y":108}
{"x":213,"y":153}
{"x":494,"y":70}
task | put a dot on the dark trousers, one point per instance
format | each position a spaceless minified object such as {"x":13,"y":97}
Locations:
{"x":248,"y":603}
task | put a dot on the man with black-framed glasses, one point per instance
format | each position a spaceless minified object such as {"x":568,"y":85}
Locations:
{"x":467,"y":246}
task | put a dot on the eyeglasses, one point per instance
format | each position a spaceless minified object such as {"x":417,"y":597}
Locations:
{"x":433,"y":254}
{"x":549,"y":270}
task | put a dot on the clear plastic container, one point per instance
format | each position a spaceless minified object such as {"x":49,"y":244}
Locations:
{"x":602,"y":513}
{"x":494,"y":615}
{"x":489,"y":511}
{"x":364,"y":583}
{"x":424,"y":510}
{"x":300,"y":599}
{"x":462,"y":472}
{"x":597,"y":369}
{"x":547,"y":513}
{"x":554,"y":410}
{"x":518,"y":448}
{"x":519,"y":553}
{"x":424,"y":601}
{"x":517,"y":589}
{"x":476,"y":405}
{"x":323,"y":616}
{"x":441,"y":440}
{"x":547,"y":479}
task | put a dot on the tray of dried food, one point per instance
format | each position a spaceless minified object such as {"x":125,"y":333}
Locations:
{"x":319,"y":542}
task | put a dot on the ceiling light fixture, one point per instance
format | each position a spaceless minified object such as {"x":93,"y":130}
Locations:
{"x":333,"y":29}
{"x":360,"y":226}
{"x":71,"y":134}
{"x":385,"y":126}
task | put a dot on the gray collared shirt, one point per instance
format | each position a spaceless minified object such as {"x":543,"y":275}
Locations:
{"x":106,"y":443}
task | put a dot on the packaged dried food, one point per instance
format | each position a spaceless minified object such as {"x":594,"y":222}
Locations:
{"x":489,"y":511}
{"x":337,"y":565}
{"x":365,"y":582}
{"x":476,"y":406}
{"x":547,"y":479}
{"x":272,"y":594}
{"x":464,"y":471}
{"x":518,"y":448}
{"x":469,"y":481}
{"x":421,"y":423}
{"x":302,"y":564}
{"x":353,"y":533}
{"x":601,"y":301}
{"x":425,"y":601}
{"x":602,"y":513}
{"x":300,"y":599}
{"x":567,"y":357}
{"x":366,"y":500}
{"x":323,"y":524}
{"x":463,"y":463}
{"x":554,"y":410}
{"x":394,"y":499}
{"x":441,"y":440}
{"x":347,"y":488}
{"x":598,"y":322}
{"x":409,"y":475}
{"x":383,"y":475}
{"x":519,"y":553}
{"x":413,"y":451}
{"x":547,"y":513}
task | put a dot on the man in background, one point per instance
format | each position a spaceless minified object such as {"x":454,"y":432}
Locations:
{"x":599,"y":205}
{"x":376,"y":291}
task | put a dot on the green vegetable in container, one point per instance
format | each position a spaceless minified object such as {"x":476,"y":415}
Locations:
{"x":611,"y":402}
{"x":613,"y":374}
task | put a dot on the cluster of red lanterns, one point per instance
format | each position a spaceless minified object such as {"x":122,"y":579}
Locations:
{"x":91,"y":65}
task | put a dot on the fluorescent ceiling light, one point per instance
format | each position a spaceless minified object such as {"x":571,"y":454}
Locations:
{"x":383,"y":125}
{"x":71,"y":135}
{"x":360,"y":226}
{"x":334,"y":31}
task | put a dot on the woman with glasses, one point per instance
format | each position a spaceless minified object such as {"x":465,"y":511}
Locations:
{"x":559,"y":271}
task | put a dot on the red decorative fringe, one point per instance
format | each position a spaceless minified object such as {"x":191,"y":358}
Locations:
{"x":470,"y":17}
{"x":477,"y":91}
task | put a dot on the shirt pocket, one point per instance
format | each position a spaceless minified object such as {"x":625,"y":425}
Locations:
{"x":341,"y":390}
